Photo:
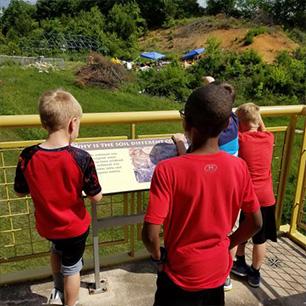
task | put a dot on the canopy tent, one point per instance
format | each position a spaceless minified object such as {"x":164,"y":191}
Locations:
{"x":193,"y":53}
{"x":152,"y":55}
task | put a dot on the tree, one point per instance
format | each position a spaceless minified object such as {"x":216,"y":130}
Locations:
{"x":18,"y":18}
{"x":56,"y":8}
{"x":157,"y":12}
{"x":215,"y":7}
{"x":291,"y":13}
{"x":188,"y":8}
{"x":125,"y":21}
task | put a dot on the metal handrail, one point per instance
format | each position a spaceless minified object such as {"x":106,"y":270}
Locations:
{"x":11,"y":121}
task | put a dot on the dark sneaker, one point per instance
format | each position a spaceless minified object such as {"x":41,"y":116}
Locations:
{"x":254,"y":278}
{"x":228,"y":284}
{"x":240,"y":269}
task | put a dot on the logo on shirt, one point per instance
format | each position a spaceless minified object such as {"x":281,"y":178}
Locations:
{"x":210,"y":168}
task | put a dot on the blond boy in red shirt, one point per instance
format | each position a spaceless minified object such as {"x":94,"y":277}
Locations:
{"x":256,"y":148}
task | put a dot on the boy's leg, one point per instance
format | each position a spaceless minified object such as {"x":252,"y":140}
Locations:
{"x":57,"y":293}
{"x":240,"y":266}
{"x":258,"y":256}
{"x":71,"y":264}
{"x":241,"y":250}
{"x":259,"y":253}
{"x":71,"y":289}
{"x":56,"y":261}
{"x":228,"y":282}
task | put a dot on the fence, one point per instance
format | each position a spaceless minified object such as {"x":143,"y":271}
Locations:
{"x":23,"y":60}
{"x":22,"y":250}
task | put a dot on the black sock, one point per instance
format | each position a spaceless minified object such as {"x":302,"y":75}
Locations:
{"x":255,"y":270}
{"x":240,"y":259}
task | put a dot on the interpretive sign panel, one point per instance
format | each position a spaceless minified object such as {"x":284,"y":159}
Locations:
{"x":127,"y":165}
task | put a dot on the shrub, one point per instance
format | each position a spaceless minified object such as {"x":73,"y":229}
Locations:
{"x":170,"y":81}
{"x":252,"y":33}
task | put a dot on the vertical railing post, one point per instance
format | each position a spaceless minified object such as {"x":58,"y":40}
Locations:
{"x":285,"y":167}
{"x":298,"y":200}
{"x":95,"y":238}
{"x":132,"y":210}
{"x":132,"y":227}
{"x":133,"y":131}
{"x":139,"y":210}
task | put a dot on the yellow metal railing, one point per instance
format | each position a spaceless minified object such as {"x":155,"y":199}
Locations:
{"x":20,"y":243}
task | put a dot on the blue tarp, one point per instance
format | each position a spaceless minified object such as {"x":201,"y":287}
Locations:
{"x":193,"y":53}
{"x":153,"y":55}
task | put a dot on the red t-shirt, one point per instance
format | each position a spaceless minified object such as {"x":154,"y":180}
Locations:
{"x":197,"y":198}
{"x":55,"y":179}
{"x":256,"y":148}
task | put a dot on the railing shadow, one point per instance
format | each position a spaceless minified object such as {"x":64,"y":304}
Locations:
{"x":20,"y":294}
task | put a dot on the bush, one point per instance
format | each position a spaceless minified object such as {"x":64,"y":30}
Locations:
{"x":170,"y":81}
{"x":252,"y":33}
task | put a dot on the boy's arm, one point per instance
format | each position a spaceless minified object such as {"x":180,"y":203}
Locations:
{"x":150,"y":238}
{"x":91,"y":184}
{"x":261,"y":124}
{"x":251,"y":208}
{"x":20,"y":184}
{"x":179,"y":141}
{"x":248,"y":228}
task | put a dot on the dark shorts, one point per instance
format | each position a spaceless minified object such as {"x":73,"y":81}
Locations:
{"x":268,"y":230}
{"x":71,"y":251}
{"x":169,"y":294}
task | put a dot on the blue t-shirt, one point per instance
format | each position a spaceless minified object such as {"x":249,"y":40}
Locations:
{"x":228,"y":139}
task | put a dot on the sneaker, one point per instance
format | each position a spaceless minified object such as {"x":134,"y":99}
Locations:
{"x":240,"y":269}
{"x":228,"y":284}
{"x":254,"y":278}
{"x":56,"y":297}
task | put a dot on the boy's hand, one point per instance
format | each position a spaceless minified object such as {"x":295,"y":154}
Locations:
{"x":261,"y":125}
{"x":21,"y":195}
{"x":179,"y":139}
{"x":96,"y":198}
{"x":159,"y":263}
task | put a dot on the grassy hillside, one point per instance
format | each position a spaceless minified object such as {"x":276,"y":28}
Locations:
{"x":21,"y":87}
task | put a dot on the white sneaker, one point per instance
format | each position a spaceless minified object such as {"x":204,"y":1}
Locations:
{"x":56,"y":297}
{"x":228,"y":284}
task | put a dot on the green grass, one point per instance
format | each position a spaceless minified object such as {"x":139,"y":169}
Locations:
{"x":20,"y":90}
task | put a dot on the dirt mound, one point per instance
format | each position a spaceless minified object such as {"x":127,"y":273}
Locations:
{"x":268,"y":45}
{"x":100,"y":71}
{"x":229,"y":31}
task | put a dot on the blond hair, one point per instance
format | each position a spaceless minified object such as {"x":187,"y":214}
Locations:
{"x":248,"y":112}
{"x":207,"y":80}
{"x":56,"y":108}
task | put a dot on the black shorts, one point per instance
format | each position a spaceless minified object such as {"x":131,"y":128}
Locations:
{"x":268,"y":230}
{"x":169,"y":294}
{"x":71,"y":251}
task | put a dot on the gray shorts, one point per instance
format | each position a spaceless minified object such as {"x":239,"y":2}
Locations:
{"x":71,"y":251}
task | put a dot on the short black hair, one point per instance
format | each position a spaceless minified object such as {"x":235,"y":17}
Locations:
{"x":209,"y":108}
